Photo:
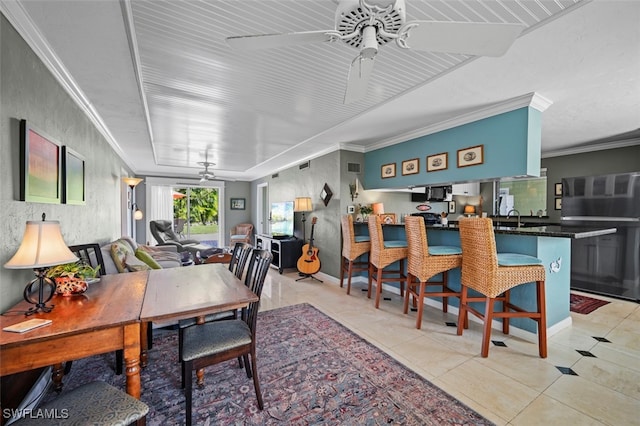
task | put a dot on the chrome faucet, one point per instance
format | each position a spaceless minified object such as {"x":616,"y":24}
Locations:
{"x":516,"y":211}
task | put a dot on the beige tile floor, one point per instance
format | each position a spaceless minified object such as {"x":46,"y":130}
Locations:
{"x":513,"y":386}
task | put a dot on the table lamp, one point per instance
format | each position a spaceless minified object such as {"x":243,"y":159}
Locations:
{"x":42,"y":246}
{"x":302,"y":204}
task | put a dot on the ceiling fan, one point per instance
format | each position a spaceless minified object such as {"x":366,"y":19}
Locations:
{"x":205,"y":174}
{"x":368,"y":24}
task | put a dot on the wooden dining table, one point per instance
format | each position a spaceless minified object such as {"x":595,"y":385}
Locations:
{"x":190,"y":292}
{"x":104,"y":318}
{"x":114,"y":314}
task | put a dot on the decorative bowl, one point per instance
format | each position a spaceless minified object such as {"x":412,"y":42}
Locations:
{"x":68,"y":286}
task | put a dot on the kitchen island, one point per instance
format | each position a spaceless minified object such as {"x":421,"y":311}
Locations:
{"x":551,"y":244}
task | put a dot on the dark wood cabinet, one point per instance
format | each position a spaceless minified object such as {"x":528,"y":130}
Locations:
{"x":286,"y":252}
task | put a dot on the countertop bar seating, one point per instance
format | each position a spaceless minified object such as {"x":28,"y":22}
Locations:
{"x":425,"y":262}
{"x":352,"y":248}
{"x":493,"y":275}
{"x":385,"y":253}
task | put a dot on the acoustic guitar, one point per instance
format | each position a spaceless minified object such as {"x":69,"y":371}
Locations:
{"x":309,"y":262}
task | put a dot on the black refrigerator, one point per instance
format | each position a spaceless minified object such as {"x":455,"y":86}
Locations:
{"x":607,"y":264}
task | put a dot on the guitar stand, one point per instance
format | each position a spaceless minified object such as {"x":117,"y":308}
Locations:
{"x":304,"y":276}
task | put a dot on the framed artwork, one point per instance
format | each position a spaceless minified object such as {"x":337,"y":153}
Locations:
{"x":237,"y":203}
{"x":388,"y":218}
{"x":388,"y":170}
{"x":326,"y":194}
{"x":472,"y":156}
{"x":411,"y":167}
{"x":559,"y":189}
{"x":40,"y":159}
{"x":73,"y":177}
{"x":452,"y":207}
{"x":437,"y":162}
{"x":558,"y":205}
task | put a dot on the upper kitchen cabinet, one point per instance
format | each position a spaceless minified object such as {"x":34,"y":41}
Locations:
{"x":472,"y":188}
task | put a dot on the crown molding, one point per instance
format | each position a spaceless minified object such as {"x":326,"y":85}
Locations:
{"x":16,"y":14}
{"x":593,"y":147}
{"x":533,"y":100}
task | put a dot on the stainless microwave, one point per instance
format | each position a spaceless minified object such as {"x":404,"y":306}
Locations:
{"x":438,"y":193}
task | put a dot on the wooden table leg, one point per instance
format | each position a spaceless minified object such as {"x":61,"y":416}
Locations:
{"x":57,"y":372}
{"x":144,"y":356}
{"x":132,"y":358}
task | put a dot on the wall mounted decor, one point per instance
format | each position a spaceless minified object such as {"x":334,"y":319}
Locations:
{"x":237,"y":204}
{"x":558,"y":189}
{"x":40,"y":159}
{"x":411,"y":167}
{"x":471,"y":156}
{"x":437,"y":162}
{"x":388,"y":218}
{"x":73,"y":177}
{"x":388,"y":170}
{"x":326,"y":194}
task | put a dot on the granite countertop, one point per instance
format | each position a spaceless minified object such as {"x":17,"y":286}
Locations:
{"x":542,"y":231}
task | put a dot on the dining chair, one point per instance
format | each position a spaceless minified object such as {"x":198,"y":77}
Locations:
{"x":92,"y":256}
{"x":214,"y":342}
{"x":493,"y":274}
{"x":239,"y":257}
{"x":423,"y":263}
{"x":353,"y":246}
{"x":384,"y":253}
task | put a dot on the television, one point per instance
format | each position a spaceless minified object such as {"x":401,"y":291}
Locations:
{"x":281,"y":219}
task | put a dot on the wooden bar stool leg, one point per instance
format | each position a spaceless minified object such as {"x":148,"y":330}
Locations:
{"x":405,"y":307}
{"x":370,"y":279}
{"x":349,"y":273}
{"x":486,"y":331}
{"x":462,"y":310}
{"x":505,"y":308}
{"x":445,"y":299}
{"x":420,"y":304}
{"x":378,"y":287}
{"x":342,"y":266}
{"x":542,"y":322}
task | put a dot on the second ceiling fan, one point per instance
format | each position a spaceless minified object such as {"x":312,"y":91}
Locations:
{"x":367,"y":25}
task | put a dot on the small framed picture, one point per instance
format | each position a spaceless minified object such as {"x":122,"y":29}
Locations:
{"x":558,"y":189}
{"x":388,"y":170}
{"x":73,"y":173}
{"x":452,"y":206}
{"x":558,"y":205}
{"x":411,"y":167}
{"x":388,"y":218}
{"x":237,"y":204}
{"x":437,"y":162}
{"x":472,"y":156}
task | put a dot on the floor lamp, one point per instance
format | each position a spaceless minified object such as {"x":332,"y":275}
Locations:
{"x":302,"y":205}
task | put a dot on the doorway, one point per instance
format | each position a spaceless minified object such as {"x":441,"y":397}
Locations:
{"x":196,"y":214}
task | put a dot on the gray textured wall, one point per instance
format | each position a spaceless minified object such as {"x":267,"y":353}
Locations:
{"x":29,"y":91}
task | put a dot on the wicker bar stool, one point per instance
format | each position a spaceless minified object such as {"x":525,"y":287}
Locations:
{"x":352,"y":248}
{"x":424,"y":262}
{"x":493,"y":275}
{"x":384,"y":253}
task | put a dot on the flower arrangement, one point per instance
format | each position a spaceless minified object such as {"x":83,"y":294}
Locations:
{"x":365,"y":211}
{"x":70,"y":278}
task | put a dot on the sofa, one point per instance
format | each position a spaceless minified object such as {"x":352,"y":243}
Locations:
{"x":129,"y":251}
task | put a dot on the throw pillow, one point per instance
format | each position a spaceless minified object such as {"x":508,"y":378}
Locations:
{"x":119,"y":251}
{"x":134,"y":264}
{"x":146,"y":258}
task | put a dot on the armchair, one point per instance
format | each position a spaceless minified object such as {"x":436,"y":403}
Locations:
{"x":241,"y":233}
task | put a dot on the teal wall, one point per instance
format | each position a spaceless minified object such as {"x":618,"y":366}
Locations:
{"x":511,"y":147}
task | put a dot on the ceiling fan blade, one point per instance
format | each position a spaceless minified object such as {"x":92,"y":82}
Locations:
{"x":358,"y":80}
{"x":469,"y":38}
{"x":267,"y":41}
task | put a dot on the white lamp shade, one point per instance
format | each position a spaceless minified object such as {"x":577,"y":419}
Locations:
{"x":302,"y":204}
{"x":378,"y":208}
{"x":137,"y":215}
{"x":42,"y":246}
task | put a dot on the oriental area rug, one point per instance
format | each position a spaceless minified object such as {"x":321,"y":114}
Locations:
{"x":583,"y":304}
{"x":312,"y":371}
